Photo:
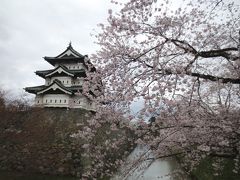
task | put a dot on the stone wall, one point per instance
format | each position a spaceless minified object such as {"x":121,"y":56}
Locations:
{"x":57,"y":159}
{"x":39,"y":141}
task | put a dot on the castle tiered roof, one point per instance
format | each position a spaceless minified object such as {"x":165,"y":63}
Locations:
{"x":55,"y":87}
{"x":61,"y":70}
{"x":70,"y":55}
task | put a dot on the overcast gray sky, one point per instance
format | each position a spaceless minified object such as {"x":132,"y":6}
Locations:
{"x":32,"y":29}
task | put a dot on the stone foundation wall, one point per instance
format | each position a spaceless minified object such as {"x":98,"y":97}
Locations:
{"x":58,"y":159}
{"x":39,"y":141}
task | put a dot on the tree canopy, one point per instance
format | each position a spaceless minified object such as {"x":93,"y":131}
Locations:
{"x":182,"y":60}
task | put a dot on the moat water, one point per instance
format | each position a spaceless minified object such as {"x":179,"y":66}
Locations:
{"x":160,"y":169}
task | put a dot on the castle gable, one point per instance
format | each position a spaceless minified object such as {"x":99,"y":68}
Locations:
{"x":53,"y":87}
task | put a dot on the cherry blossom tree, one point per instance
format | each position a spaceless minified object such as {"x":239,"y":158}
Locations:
{"x":181,"y":59}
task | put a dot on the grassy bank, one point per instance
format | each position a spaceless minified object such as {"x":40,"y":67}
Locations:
{"x":206,"y":171}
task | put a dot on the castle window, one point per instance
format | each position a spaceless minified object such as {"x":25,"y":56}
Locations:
{"x":67,"y":82}
{"x":60,"y":100}
{"x":55,"y":101}
{"x":65,"y":101}
{"x":50,"y":101}
{"x":46,"y":100}
{"x":63,"y":82}
{"x":38,"y":101}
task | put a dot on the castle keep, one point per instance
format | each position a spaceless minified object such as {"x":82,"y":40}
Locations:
{"x":64,"y":83}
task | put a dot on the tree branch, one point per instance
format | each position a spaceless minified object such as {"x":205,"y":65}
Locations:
{"x":207,"y":77}
{"x":214,"y":78}
{"x":164,"y":156}
{"x":219,"y":53}
{"x":225,"y":52}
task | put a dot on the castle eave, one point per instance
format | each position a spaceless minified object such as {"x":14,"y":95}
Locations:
{"x":34,"y":89}
{"x":73,"y":73}
{"x":53,"y":60}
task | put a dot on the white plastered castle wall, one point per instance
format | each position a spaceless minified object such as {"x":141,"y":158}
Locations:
{"x":73,"y":66}
{"x":63,"y":100}
{"x":56,"y":100}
